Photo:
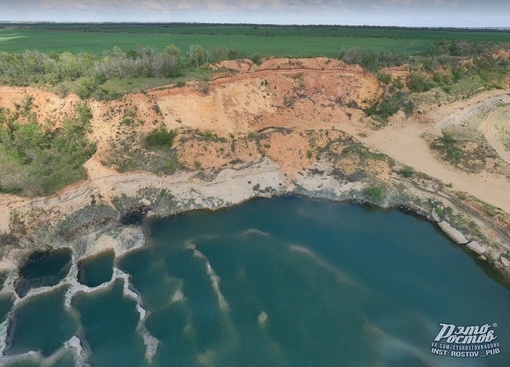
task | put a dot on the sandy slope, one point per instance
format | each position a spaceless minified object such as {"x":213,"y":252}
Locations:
{"x":405,"y":143}
{"x":493,"y":135}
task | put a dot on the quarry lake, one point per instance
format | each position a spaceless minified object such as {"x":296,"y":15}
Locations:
{"x":276,"y":282}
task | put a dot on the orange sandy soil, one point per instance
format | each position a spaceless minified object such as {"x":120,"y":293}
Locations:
{"x":282,"y":110}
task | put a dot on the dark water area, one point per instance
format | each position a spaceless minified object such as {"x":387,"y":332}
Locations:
{"x":287,"y":282}
{"x":96,"y":270}
{"x":134,"y":217}
{"x":6,"y":303}
{"x":3,"y":278}
{"x":46,"y":268}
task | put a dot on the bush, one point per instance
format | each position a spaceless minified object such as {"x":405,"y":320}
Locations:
{"x":236,"y":55}
{"x":375,"y":194}
{"x":447,"y":144}
{"x":85,"y":87}
{"x":372,"y":61}
{"x":384,"y":78}
{"x":160,"y":138}
{"x":419,"y":83}
{"x":36,"y":160}
{"x":257,"y":58}
{"x":208,"y":135}
{"x":407,"y":172}
{"x":391,"y":104}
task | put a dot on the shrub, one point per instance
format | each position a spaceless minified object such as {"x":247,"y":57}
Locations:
{"x":447,"y":144}
{"x":85,"y":87}
{"x":160,"y":138}
{"x":208,"y":135}
{"x":384,"y":78}
{"x":391,"y":104}
{"x":407,"y":172}
{"x":372,"y":61}
{"x":375,"y":194}
{"x":419,"y":83}
{"x":447,"y":138}
{"x":236,"y":55}
{"x":257,"y":58}
{"x":36,"y":160}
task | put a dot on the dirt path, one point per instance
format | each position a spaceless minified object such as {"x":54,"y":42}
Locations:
{"x":458,"y":111}
{"x":406,"y":145}
{"x":500,"y":116}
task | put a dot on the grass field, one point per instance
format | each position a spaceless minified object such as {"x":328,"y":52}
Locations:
{"x":248,"y":39}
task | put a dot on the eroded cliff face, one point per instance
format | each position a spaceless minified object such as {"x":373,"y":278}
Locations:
{"x":279,"y":109}
{"x":295,"y":95}
{"x":285,"y":126}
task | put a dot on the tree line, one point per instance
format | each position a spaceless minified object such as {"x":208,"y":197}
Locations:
{"x":35,"y":67}
{"x":441,"y":66}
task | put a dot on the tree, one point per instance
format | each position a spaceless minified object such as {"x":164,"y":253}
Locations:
{"x":196,"y":55}
{"x":172,"y":51}
{"x":220,"y":53}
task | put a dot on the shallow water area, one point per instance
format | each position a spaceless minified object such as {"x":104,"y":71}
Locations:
{"x":283,"y":282}
{"x":66,"y":360}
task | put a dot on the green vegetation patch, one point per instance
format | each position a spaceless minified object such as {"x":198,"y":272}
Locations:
{"x":160,"y":138}
{"x":363,"y":153}
{"x":105,"y":61}
{"x":374,"y":194}
{"x":38,"y":159}
{"x":407,"y":172}
{"x":468,"y":155}
{"x":152,"y":152}
{"x":208,"y":135}
{"x":393,"y":101}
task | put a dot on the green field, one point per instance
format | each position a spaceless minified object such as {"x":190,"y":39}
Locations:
{"x":297,"y":41}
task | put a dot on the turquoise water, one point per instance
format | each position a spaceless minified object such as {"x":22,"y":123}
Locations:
{"x":109,"y":321}
{"x":286,"y":282}
{"x":42,"y":324}
{"x":97,"y":270}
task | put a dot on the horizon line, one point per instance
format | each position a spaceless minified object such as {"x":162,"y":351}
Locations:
{"x":249,"y":24}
